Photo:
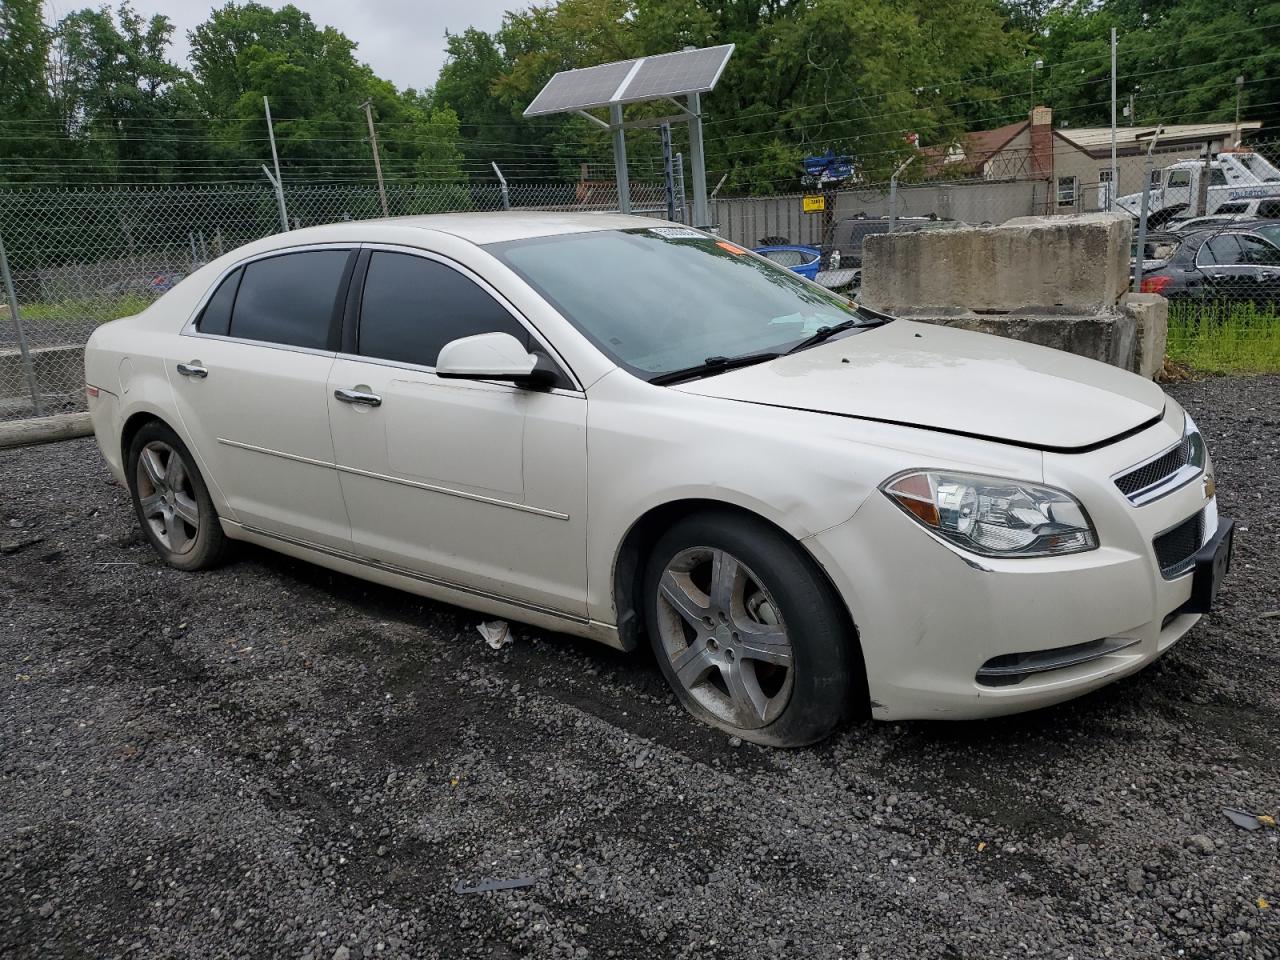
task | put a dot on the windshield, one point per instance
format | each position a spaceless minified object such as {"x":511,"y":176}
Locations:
{"x":661,"y":299}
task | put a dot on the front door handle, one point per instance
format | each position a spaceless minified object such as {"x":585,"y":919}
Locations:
{"x":193,"y":370}
{"x":357,"y":396}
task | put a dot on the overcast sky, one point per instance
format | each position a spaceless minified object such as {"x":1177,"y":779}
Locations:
{"x":403,"y":40}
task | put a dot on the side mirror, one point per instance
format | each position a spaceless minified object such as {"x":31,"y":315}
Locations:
{"x":494,"y":356}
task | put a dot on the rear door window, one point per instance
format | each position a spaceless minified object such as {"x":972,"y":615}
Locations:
{"x":413,"y":306}
{"x":1221,"y":250}
{"x":1258,"y":252}
{"x":289,"y":299}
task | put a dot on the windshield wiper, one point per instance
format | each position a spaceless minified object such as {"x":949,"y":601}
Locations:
{"x":712,"y":365}
{"x":871,"y":318}
{"x":824,"y":333}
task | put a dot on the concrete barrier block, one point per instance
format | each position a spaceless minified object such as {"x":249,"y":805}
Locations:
{"x":58,"y":371}
{"x":1109,"y":337}
{"x":1076,"y":265}
{"x":1151,"y":315}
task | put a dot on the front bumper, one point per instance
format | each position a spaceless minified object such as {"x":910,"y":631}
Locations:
{"x":930,"y":617}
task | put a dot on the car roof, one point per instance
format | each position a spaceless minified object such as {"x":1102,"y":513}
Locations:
{"x":477,"y":228}
{"x":771,"y":247}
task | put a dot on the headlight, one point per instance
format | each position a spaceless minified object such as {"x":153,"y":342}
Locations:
{"x":994,"y":517}
{"x":1197,"y":453}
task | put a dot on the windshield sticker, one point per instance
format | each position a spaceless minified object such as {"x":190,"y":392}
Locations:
{"x":676,"y":233}
{"x":733,"y":248}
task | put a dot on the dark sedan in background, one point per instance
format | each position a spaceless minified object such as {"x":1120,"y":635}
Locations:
{"x":1238,"y":263}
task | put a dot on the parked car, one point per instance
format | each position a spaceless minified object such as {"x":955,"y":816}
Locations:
{"x":841,"y":264}
{"x":163,"y":282}
{"x":797,"y":258}
{"x":1236,"y":264}
{"x":621,"y":429}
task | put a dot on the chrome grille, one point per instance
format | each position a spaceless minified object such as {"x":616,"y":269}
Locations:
{"x":1155,"y":471}
{"x":1176,"y":548}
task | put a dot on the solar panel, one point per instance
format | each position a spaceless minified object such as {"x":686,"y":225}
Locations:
{"x":576,"y":89}
{"x":675,"y":74}
{"x":630,"y":81}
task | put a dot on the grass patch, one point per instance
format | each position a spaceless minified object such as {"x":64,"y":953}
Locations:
{"x":87,"y":310}
{"x":1224,"y":337}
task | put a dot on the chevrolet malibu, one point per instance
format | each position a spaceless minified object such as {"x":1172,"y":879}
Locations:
{"x":637,"y":432}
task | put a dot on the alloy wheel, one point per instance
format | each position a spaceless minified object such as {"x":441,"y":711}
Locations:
{"x":724,"y":637}
{"x":167,"y":498}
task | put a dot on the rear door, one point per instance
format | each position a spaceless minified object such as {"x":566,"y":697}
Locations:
{"x":1240,"y":267}
{"x":249,"y":379}
{"x":474,"y":484}
{"x":1264,"y":257}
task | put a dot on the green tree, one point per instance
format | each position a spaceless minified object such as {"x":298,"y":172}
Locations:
{"x":24,"y":99}
{"x":115,"y":92}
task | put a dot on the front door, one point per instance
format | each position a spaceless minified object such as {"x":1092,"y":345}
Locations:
{"x":250,"y":384}
{"x":473,"y":484}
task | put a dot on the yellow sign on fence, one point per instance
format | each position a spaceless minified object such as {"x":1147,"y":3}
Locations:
{"x":815,"y":204}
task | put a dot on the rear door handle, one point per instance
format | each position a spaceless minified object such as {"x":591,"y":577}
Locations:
{"x":193,"y":370}
{"x":357,"y":396}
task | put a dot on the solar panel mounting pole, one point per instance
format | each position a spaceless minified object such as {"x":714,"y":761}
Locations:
{"x":699,"y":162}
{"x":1111,"y":187}
{"x":620,"y":158}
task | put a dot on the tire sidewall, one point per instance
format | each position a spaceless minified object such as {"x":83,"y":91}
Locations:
{"x":822,"y":694}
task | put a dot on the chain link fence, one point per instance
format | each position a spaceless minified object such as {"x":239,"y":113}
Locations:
{"x":76,"y":259}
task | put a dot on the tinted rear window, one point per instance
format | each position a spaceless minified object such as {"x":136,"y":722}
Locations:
{"x":216,"y":317}
{"x":413,"y":306}
{"x":289,"y":299}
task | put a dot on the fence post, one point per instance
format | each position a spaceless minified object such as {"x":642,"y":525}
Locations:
{"x":27,"y":369}
{"x":1142,"y":215}
{"x":893,"y":193}
{"x":502,"y":183}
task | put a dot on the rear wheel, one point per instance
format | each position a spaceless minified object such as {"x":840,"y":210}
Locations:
{"x":172,"y":502}
{"x":747,"y":630}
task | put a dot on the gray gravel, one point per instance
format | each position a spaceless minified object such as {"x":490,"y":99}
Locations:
{"x":276,"y":761}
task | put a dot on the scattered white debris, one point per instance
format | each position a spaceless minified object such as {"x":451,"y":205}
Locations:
{"x":496,"y":633}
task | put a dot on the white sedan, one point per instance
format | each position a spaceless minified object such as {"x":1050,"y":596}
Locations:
{"x":619,"y":428}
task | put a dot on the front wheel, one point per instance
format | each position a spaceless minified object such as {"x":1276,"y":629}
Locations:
{"x":748,"y":632}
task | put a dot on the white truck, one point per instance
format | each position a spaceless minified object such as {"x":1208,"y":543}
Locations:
{"x":1241,"y":182}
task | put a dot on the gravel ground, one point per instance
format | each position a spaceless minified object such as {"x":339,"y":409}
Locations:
{"x":274,"y":761}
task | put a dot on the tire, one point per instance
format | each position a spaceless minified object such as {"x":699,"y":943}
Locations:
{"x":776,"y":664}
{"x":172,"y":502}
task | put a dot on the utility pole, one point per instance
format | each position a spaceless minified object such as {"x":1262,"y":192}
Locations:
{"x":367,"y":107}
{"x":1111,"y":187}
{"x":1239,"y":89}
{"x":275,"y":161}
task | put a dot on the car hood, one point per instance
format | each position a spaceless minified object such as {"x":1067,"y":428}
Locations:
{"x":956,"y":381}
